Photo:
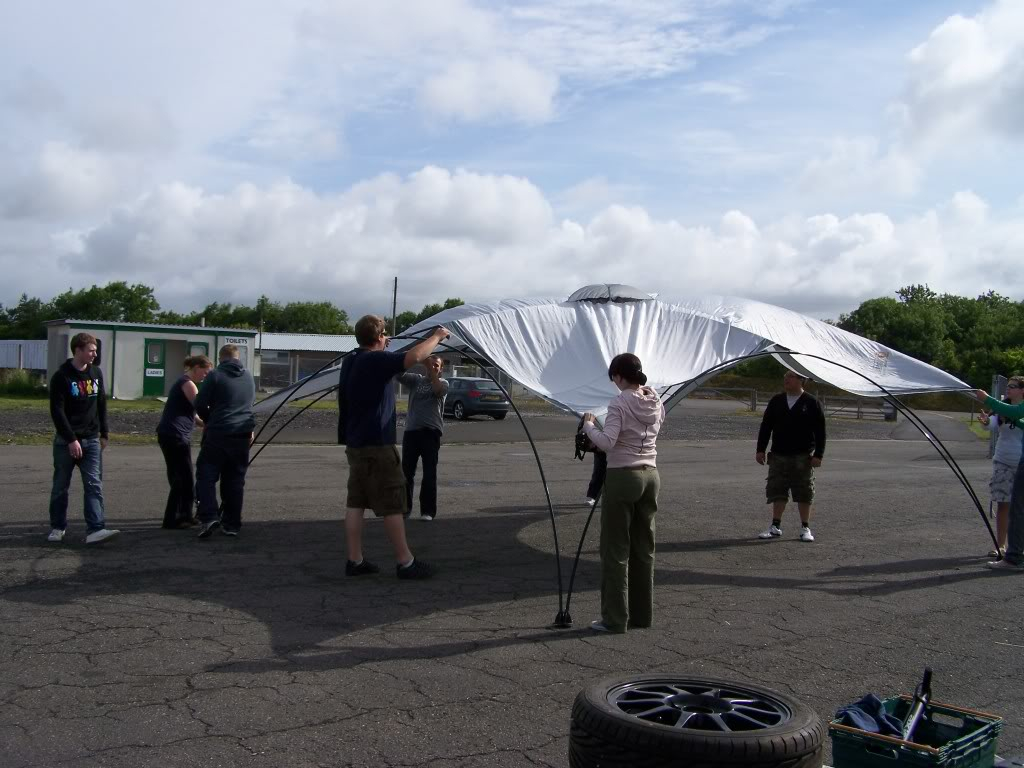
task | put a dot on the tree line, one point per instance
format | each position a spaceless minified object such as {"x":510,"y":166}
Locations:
{"x":121,"y":302}
{"x":973,"y":339}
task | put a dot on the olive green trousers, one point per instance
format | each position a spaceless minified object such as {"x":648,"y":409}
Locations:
{"x":628,"y":507}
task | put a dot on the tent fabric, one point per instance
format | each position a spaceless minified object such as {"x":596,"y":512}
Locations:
{"x":560,"y":349}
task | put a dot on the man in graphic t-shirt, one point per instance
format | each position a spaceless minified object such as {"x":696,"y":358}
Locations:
{"x":78,"y":408}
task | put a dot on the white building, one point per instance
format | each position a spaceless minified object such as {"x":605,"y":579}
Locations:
{"x":145,"y":359}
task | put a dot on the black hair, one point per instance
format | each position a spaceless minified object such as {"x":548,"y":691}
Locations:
{"x":627,"y":365}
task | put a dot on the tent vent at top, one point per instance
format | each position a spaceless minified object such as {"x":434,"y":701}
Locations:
{"x":616,"y":292}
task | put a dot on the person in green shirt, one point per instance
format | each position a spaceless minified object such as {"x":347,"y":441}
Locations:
{"x":1014,"y":558}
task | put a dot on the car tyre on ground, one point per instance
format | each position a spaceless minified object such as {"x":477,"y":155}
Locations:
{"x":657,"y":721}
{"x":459,"y":411}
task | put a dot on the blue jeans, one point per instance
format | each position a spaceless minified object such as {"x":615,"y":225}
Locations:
{"x":426,"y":444}
{"x":90,"y":466}
{"x":224,"y":458}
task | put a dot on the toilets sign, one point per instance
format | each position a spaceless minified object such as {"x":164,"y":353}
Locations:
{"x":238,"y":341}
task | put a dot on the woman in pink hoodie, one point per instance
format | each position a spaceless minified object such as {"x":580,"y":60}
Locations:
{"x":630,"y":500}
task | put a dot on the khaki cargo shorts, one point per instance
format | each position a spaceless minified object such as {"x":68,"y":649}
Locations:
{"x":375,"y":480}
{"x":790,"y":474}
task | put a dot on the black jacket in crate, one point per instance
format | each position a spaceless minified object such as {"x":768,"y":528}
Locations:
{"x":947,"y":736}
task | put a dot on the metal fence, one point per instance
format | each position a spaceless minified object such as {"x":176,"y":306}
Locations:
{"x":30,"y":355}
{"x":832,"y":405}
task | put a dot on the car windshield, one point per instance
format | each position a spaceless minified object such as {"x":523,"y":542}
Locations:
{"x":486,"y":386}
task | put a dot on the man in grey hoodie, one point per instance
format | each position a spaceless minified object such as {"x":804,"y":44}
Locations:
{"x":224,"y":403}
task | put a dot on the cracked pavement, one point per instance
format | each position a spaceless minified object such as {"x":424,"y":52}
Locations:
{"x":161,"y":650}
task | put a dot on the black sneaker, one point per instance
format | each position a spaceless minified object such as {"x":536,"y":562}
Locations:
{"x":206,"y":529}
{"x":364,"y":568}
{"x":417,"y":570}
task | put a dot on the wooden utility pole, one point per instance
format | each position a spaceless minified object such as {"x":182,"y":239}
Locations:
{"x":394,"y":309}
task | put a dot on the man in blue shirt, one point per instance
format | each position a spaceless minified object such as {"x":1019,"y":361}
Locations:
{"x":367,"y":427}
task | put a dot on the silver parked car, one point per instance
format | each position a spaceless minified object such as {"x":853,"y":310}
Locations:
{"x":469,"y":397}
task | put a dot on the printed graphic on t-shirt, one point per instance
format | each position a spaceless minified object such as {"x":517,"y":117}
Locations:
{"x":85,"y":388}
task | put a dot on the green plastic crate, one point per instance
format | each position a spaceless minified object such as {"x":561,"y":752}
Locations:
{"x":946,"y":736}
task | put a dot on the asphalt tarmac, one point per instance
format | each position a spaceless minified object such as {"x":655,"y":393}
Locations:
{"x":158,"y":649}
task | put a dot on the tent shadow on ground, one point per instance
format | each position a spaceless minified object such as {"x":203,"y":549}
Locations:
{"x":289,"y":576}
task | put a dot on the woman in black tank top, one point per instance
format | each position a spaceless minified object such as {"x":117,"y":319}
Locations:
{"x":174,"y":433}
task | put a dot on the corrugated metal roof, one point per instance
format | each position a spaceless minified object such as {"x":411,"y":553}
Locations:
{"x":306,"y":342}
{"x":103,"y":323}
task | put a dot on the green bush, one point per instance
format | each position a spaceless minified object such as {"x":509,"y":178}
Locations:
{"x":14,"y":381}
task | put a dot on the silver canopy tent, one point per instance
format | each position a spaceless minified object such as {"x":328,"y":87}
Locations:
{"x":559,"y":349}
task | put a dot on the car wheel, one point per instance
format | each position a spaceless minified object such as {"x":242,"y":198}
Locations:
{"x":657,"y":721}
{"x":499,"y":416}
{"x":459,"y":411}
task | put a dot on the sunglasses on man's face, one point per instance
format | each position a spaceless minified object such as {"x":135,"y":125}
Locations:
{"x":1013,"y":386}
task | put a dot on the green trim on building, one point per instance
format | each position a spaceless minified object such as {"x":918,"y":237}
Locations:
{"x":192,"y":330}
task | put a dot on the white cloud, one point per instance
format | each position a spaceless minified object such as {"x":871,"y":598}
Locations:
{"x":495,"y":88}
{"x":732,"y":92}
{"x":853,"y":167}
{"x":474,"y":61}
{"x":968,"y":208}
{"x":490,"y":210}
{"x":64,"y":181}
{"x":968,"y":76}
{"x":482,"y":237}
{"x":590,"y":195}
{"x":964,"y":86}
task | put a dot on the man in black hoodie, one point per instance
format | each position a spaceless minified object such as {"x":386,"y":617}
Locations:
{"x":224,"y":403}
{"x":78,"y":407}
{"x":796,"y":425}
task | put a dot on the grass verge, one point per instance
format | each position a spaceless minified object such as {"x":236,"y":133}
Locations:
{"x":35,"y":403}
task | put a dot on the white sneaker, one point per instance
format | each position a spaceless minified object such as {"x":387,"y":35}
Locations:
{"x":426,"y":518}
{"x":589,"y":501}
{"x":98,"y":536}
{"x":805,"y":534}
{"x":56,"y":534}
{"x":772,"y":532}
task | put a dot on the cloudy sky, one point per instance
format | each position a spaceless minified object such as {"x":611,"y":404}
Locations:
{"x":808,"y":153}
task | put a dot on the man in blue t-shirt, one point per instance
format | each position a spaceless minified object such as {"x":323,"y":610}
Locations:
{"x":367,"y":428}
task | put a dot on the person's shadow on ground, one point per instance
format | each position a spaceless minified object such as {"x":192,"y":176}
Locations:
{"x":290,"y":577}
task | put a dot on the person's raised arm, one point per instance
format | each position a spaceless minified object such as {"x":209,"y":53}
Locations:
{"x":425,"y":348}
{"x":1009,"y":410}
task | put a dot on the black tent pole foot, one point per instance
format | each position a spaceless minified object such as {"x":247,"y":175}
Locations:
{"x":563,"y":620}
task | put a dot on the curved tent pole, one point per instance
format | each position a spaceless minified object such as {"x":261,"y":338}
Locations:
{"x":562,"y":619}
{"x":902,"y":407}
{"x":301,"y":411}
{"x":295,"y":388}
{"x":908,"y":412}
